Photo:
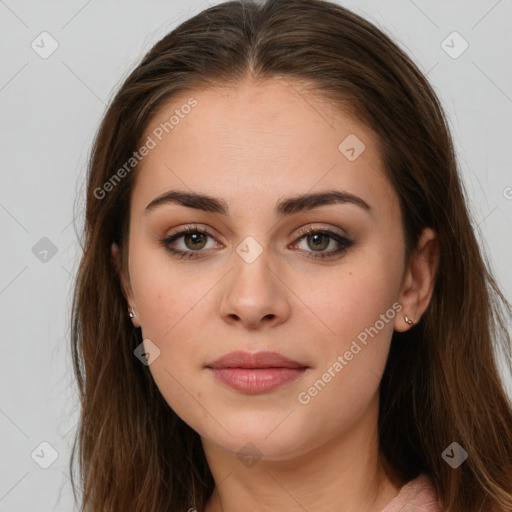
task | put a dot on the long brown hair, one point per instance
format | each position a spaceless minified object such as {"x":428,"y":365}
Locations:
{"x":441,"y":383}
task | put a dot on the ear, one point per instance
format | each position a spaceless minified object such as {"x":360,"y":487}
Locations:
{"x":419,"y":280}
{"x":125,"y":283}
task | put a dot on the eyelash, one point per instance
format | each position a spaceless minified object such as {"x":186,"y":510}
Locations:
{"x":343,"y":241}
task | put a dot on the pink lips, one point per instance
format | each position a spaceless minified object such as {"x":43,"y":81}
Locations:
{"x":255,"y":372}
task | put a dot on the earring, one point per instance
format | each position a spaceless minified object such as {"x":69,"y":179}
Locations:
{"x":410,"y":322}
{"x":131,"y":313}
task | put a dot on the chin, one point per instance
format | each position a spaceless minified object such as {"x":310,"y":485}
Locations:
{"x":259,"y":439}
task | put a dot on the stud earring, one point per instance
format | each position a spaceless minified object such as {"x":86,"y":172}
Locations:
{"x":410,"y":322}
{"x":131,"y":313}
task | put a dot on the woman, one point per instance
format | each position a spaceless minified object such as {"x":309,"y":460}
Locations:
{"x":281,"y":302}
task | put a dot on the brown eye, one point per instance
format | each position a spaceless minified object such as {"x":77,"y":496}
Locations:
{"x":197,"y":240}
{"x":318,"y":240}
{"x":194,"y":241}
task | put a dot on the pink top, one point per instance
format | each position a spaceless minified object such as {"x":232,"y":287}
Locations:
{"x":418,"y":495}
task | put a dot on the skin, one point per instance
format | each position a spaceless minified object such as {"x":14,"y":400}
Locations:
{"x":253,"y":145}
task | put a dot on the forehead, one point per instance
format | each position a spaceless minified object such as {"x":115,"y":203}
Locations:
{"x":256,"y":142}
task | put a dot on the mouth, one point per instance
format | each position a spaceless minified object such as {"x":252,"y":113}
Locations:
{"x":254,"y":373}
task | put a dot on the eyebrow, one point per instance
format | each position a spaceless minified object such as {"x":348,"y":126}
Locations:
{"x":288,"y":206}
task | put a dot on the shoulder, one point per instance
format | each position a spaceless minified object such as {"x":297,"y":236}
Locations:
{"x":417,"y":495}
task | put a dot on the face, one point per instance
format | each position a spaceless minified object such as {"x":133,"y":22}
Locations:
{"x":318,"y":282}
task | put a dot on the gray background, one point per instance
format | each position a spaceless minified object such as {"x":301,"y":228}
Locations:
{"x":50,"y":109}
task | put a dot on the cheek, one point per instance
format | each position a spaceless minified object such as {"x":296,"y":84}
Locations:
{"x":166,"y":291}
{"x":352,"y":352}
{"x":343,"y":302}
{"x":169,"y":304}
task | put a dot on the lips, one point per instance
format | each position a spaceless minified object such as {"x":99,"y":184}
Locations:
{"x":254,"y":373}
{"x":256,"y":360}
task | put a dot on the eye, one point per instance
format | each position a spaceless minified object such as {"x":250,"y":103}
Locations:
{"x":320,"y":240}
{"x":195,"y":240}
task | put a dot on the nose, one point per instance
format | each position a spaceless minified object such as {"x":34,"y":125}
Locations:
{"x":254,"y":294}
